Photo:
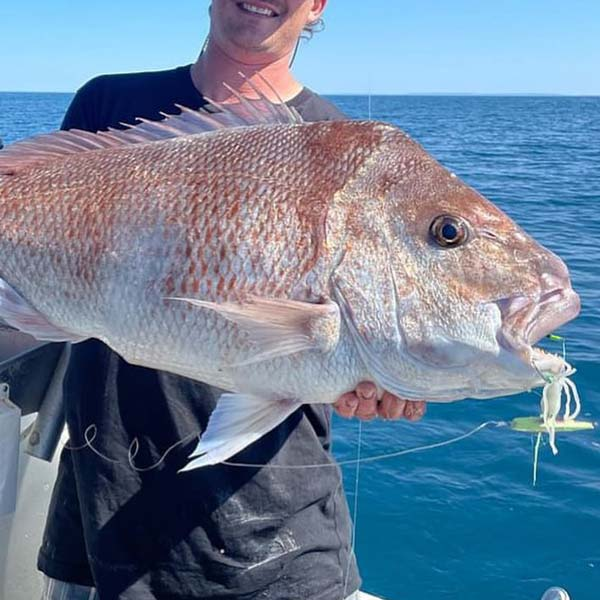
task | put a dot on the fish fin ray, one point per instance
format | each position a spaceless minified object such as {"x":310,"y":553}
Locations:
{"x":17,"y":312}
{"x":237,"y":421}
{"x":290,"y":111}
{"x":214,"y":115}
{"x":279,"y":327}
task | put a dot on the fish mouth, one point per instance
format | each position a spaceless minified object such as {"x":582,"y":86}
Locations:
{"x":526,"y":319}
{"x":258,"y":9}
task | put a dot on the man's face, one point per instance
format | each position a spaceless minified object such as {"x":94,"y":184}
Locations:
{"x":255,"y":30}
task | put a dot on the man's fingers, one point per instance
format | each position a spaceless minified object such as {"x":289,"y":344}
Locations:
{"x":346,"y":405}
{"x":367,"y":409}
{"x":366,"y":390}
{"x":391,"y":407}
{"x":363,"y":404}
{"x":415,"y":409}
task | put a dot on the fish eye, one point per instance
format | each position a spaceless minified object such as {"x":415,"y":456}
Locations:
{"x":448,"y":231}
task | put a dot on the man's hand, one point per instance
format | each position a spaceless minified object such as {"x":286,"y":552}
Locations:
{"x":363,"y":403}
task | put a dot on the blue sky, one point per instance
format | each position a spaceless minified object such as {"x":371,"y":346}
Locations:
{"x":376,"y":46}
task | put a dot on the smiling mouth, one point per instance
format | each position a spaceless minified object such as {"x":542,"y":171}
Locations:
{"x":526,"y":320}
{"x":254,"y":9}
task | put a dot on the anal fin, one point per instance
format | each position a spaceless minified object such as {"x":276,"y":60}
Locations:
{"x":237,"y":421}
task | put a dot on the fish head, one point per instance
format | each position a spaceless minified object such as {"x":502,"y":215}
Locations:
{"x":470,"y":293}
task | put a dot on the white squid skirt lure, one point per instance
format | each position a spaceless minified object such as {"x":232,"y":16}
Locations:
{"x":550,"y":420}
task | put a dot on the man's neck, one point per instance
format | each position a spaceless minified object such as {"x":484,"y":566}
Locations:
{"x":214,"y":67}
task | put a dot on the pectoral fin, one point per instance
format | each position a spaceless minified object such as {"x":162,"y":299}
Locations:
{"x":279,"y":327}
{"x":237,"y":421}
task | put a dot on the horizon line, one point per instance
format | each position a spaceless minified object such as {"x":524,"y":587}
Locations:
{"x":384,"y":94}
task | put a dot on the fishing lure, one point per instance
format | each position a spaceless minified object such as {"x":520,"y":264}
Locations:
{"x":550,"y":420}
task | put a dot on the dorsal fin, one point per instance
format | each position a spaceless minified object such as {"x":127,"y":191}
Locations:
{"x":52,"y":146}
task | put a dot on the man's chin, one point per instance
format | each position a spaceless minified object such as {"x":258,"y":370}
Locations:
{"x":256,"y":51}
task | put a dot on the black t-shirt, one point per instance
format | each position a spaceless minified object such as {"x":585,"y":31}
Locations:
{"x":218,"y":532}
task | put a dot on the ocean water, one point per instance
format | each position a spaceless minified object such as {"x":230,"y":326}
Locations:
{"x":464,"y":521}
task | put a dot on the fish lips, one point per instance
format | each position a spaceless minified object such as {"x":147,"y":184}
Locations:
{"x":526,"y":320}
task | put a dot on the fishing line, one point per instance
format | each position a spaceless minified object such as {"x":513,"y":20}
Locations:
{"x":294,"y":53}
{"x":355,"y":508}
{"x":536,"y":454}
{"x":377,"y":457}
{"x":133,"y":453}
{"x":90,"y":434}
{"x":88,"y":444}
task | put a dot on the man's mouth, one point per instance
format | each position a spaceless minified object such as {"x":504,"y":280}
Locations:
{"x":261,"y":9}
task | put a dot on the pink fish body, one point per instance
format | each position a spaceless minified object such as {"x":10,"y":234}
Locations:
{"x":283,"y":262}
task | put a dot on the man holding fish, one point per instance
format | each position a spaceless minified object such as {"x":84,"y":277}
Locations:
{"x":123,"y":522}
{"x":285,"y":262}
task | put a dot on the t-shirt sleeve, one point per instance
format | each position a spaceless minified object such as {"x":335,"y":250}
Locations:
{"x":81,"y":111}
{"x":313,"y":107}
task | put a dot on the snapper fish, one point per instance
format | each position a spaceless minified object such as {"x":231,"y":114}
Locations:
{"x":280,"y":260}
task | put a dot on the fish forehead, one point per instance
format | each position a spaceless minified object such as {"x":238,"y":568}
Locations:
{"x":408,"y":189}
{"x":415,"y":188}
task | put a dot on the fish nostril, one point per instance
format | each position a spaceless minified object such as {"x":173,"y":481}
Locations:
{"x":554,"y":273}
{"x":554,"y":278}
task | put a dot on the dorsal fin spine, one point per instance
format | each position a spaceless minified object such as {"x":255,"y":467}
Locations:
{"x":245,"y":102}
{"x":54,"y":146}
